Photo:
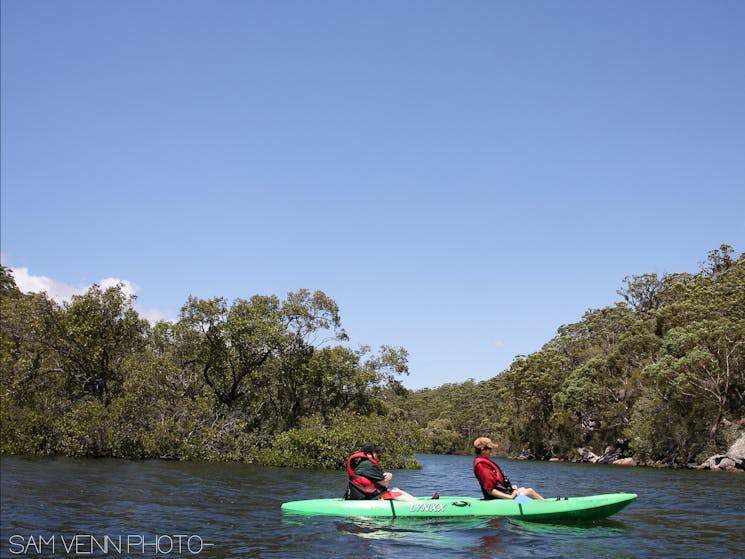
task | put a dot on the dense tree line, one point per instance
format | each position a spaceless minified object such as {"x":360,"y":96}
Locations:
{"x":261,"y":379}
{"x":659,"y":376}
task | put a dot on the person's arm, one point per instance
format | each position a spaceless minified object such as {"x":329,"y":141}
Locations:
{"x":372,"y":472}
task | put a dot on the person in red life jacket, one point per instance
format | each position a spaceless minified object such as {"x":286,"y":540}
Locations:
{"x":367,"y":480}
{"x":494,"y":484}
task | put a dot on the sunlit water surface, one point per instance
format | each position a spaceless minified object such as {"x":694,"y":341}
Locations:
{"x":171,"y":509}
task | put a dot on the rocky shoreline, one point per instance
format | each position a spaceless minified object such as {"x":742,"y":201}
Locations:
{"x":731,"y":461}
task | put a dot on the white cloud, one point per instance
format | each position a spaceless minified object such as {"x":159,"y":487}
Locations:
{"x":63,"y":292}
{"x":57,"y":290}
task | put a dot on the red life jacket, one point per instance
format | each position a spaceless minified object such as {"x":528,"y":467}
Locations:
{"x":367,"y":486}
{"x":501,"y":482}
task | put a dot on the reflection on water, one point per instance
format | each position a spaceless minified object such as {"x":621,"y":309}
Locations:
{"x":368,"y":528}
{"x":235,"y":508}
{"x":483,"y":537}
{"x":407,"y":525}
{"x":583,"y":528}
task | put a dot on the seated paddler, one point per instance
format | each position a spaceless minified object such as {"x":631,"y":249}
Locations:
{"x":494,"y":483}
{"x":367,"y":480}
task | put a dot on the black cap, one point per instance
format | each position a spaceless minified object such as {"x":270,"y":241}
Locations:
{"x":369,"y":448}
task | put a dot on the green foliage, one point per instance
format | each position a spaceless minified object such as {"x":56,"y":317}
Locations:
{"x":318,"y":443}
{"x":453,"y":415}
{"x":92,"y":337}
{"x":441,"y":436}
{"x":660,"y":376}
{"x":83,"y":430}
{"x":226,"y":382}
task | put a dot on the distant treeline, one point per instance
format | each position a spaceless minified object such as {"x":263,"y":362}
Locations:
{"x":659,"y":377}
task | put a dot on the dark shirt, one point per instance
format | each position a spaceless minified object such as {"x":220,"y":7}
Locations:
{"x":369,"y":470}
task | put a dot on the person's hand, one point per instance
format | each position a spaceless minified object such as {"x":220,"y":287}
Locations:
{"x":387,"y":476}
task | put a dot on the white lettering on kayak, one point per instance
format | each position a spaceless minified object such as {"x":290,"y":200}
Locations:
{"x":427,"y":507}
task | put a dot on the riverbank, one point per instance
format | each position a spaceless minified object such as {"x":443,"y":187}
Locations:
{"x":731,"y":461}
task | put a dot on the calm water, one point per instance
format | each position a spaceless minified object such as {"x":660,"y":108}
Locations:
{"x":232,"y":511}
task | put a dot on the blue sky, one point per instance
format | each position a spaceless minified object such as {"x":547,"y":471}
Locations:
{"x":462,"y":178}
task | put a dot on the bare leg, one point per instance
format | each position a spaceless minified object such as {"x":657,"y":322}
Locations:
{"x":404,"y":496}
{"x":529,"y":492}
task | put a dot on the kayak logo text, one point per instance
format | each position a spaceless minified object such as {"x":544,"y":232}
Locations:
{"x":427,"y":507}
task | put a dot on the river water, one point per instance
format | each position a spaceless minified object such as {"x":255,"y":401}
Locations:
{"x":61,"y":507}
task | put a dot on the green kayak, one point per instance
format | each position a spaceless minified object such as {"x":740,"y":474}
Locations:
{"x":554,"y":509}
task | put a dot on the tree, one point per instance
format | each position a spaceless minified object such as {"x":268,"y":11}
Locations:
{"x":647,"y":292}
{"x":718,"y":261}
{"x":32,"y":389}
{"x":531,"y":383}
{"x":706,"y":361}
{"x":93,"y":336}
{"x":238,"y":348}
{"x":338,"y":378}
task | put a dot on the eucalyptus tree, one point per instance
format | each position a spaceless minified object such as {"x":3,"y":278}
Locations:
{"x":605,"y":351}
{"x":531,"y":383}
{"x":705,"y":361}
{"x":646,"y":293}
{"x":703,"y":357}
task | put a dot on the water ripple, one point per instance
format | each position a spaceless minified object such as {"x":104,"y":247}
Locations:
{"x":235,"y":511}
